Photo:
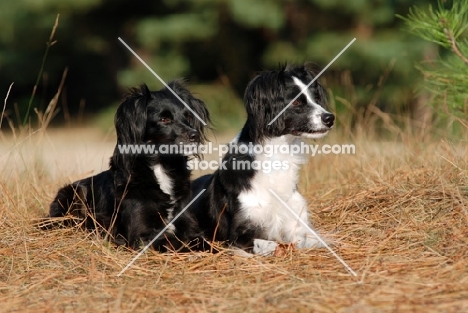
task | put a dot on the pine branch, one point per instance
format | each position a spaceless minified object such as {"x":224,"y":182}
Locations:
{"x":453,"y":43}
{"x":445,"y":77}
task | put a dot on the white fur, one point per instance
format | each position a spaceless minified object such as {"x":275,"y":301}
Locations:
{"x":264,"y":247}
{"x":166,"y":185}
{"x":316,"y":116}
{"x":260,"y":207}
{"x":165,"y":182}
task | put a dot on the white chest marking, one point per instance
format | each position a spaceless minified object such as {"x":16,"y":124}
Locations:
{"x":166,"y":185}
{"x":258,"y":204}
{"x":165,"y":182}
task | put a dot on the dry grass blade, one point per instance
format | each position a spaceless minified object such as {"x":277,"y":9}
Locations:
{"x":4,"y":104}
{"x":48,"y":115}
{"x":396,"y":212}
{"x":49,"y":44}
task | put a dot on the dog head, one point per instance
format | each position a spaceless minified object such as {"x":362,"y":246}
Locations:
{"x":268,"y":94}
{"x":159,"y":117}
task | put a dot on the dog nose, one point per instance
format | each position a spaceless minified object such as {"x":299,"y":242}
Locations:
{"x":328,"y":119}
{"x":193,"y":136}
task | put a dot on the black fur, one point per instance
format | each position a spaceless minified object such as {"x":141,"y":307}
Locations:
{"x":127,"y":200}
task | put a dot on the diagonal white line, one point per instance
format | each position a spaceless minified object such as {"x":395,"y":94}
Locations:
{"x":160,"y":79}
{"x":314,"y":233}
{"x":160,"y":233}
{"x":316,"y":77}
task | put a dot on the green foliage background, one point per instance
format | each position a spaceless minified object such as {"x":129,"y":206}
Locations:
{"x":217,"y":45}
{"x":446,"y":77}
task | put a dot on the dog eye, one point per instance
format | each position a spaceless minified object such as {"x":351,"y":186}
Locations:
{"x":296,"y":102}
{"x":165,"y":120}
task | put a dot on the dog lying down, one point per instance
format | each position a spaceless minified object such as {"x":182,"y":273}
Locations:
{"x":240,"y":205}
{"x":141,"y":193}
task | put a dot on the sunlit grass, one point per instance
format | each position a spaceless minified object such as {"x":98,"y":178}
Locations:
{"x":396,"y":212}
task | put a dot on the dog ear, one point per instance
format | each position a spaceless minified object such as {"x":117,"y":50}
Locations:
{"x":130,"y":118}
{"x":197,"y":105}
{"x":264,"y":100}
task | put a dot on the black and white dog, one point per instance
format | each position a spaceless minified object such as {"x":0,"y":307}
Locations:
{"x":142,"y":192}
{"x":238,"y":205}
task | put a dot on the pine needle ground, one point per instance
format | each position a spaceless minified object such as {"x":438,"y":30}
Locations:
{"x":396,"y":212}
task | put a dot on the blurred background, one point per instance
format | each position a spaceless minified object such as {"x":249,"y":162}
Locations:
{"x":217,"y":46}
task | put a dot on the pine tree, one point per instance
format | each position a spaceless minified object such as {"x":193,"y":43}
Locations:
{"x":446,"y":77}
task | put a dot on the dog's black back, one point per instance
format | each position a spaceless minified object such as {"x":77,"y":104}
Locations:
{"x":129,"y":200}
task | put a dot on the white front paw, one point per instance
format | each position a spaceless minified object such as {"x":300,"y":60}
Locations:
{"x":309,"y":241}
{"x":264,"y":247}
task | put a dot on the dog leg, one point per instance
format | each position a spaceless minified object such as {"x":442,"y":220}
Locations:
{"x":301,"y":236}
{"x":264,"y":247}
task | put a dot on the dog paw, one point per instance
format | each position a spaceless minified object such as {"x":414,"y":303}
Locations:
{"x":241,"y":253}
{"x":309,"y":242}
{"x":264,"y":247}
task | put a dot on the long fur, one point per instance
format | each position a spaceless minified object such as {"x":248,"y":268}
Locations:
{"x":140,"y":193}
{"x":238,"y":202}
